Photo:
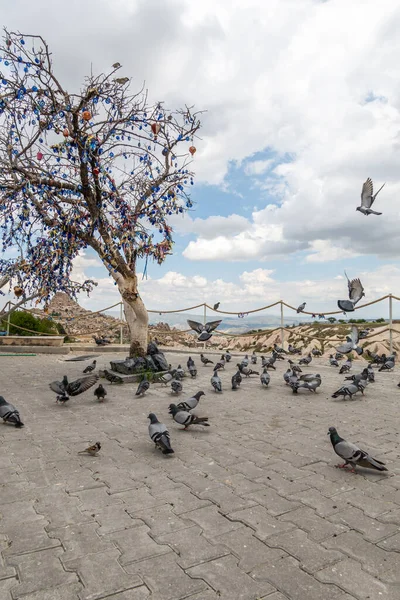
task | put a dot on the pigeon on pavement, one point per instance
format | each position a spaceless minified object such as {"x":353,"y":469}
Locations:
{"x":142,"y":387}
{"x":368,"y":198}
{"x":112,"y":378}
{"x":236,"y":380}
{"x":347,"y":390}
{"x":332,"y":361}
{"x":228,"y":356}
{"x":90,"y":368}
{"x":159,"y":434}
{"x":189,"y":404}
{"x":9,"y":413}
{"x":176,"y":386}
{"x":352,"y":454}
{"x":306,"y":360}
{"x":64,"y":388}
{"x":100,"y":393}
{"x":216,"y":382}
{"x":205,"y":360}
{"x":265,"y":377}
{"x":356,"y":292}
{"x":182,"y":417}
{"x":203,"y":330}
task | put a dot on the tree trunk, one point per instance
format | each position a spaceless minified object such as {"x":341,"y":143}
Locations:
{"x":136,"y":315}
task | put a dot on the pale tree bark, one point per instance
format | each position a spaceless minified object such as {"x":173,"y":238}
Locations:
{"x":136,"y":314}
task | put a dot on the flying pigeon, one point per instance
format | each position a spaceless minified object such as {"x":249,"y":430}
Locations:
{"x":216,"y":382}
{"x":159,"y":434}
{"x":301,"y":307}
{"x":205,"y":360}
{"x":90,"y":368}
{"x":64,"y":388}
{"x":265,"y":377}
{"x":351,"y":343}
{"x":112,"y":378}
{"x":352,"y":454}
{"x":203,"y":330}
{"x":182,"y":417}
{"x":190,"y":404}
{"x":216,"y":306}
{"x":356,"y":292}
{"x":100,"y":393}
{"x":368,"y":198}
{"x":9,"y":413}
{"x":92,"y":450}
{"x":142,"y":388}
{"x":176,"y":386}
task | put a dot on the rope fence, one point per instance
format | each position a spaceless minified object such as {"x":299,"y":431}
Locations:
{"x":120,"y":322}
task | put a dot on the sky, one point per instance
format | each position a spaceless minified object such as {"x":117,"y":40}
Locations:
{"x":302,"y":104}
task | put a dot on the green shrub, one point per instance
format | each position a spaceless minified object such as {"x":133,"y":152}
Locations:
{"x":28,"y":321}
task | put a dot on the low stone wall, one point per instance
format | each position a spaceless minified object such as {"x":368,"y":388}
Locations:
{"x":31,"y":340}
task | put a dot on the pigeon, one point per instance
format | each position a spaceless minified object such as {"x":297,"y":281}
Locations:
{"x":368,"y":198}
{"x":203,"y":330}
{"x":287,"y":375}
{"x":90,"y":368}
{"x":301,"y":307}
{"x":180,"y":373}
{"x":190,"y":362}
{"x":190,"y":404}
{"x":309,"y":377}
{"x":297,"y":385}
{"x":265,"y":377}
{"x":306,"y":360}
{"x":222,"y":361}
{"x":338,"y":356}
{"x":205,"y":360}
{"x":159,"y":434}
{"x":216,"y":382}
{"x":359,"y":376}
{"x":344,"y":369}
{"x":112,"y":378}
{"x":332,"y":361}
{"x":100,"y":393}
{"x":269,"y":363}
{"x":193,"y":372}
{"x":182,"y":417}
{"x":279,"y":350}
{"x":9,"y":413}
{"x":64,"y":388}
{"x":92,"y":450}
{"x":216,"y":306}
{"x":388,"y":365}
{"x":352,"y":454}
{"x":142,"y":388}
{"x":166,"y":377}
{"x":237,"y":380}
{"x":356,"y":292}
{"x":219,"y":366}
{"x":253,"y":359}
{"x":176,"y":386}
{"x":295,"y":368}
{"x":316,"y":352}
{"x":364,"y":333}
{"x":245,"y":361}
{"x":293,"y":350}
{"x":371,"y":374}
{"x":228,"y":356}
{"x":347,"y":390}
{"x":246,"y":370}
{"x":351,"y":343}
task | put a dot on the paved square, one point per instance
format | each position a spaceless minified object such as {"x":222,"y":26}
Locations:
{"x":249,"y":508}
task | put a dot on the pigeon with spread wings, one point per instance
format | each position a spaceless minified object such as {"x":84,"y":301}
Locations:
{"x":203,"y":330}
{"x":368,"y":198}
{"x":351,"y":343}
{"x":356,"y":292}
{"x":64,"y":389}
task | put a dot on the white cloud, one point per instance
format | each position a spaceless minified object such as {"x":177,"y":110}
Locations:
{"x":324,"y":251}
{"x":258,"y":167}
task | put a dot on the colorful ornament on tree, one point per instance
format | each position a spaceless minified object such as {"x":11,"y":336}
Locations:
{"x":86,"y":115}
{"x":192,"y":150}
{"x":39,"y":156}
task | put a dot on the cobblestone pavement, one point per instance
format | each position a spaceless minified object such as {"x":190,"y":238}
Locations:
{"x":249,"y":508}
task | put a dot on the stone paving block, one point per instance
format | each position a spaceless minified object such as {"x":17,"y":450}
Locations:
{"x":349,"y":575}
{"x":20,"y":512}
{"x":136,"y":544}
{"x":196,"y":482}
{"x":191,"y":546}
{"x":372,"y":529}
{"x":28,"y":537}
{"x":78,"y":540}
{"x":327,"y":487}
{"x":138,"y":499}
{"x":229,"y":581}
{"x":16,"y":492}
{"x":317,"y":527}
{"x":288,"y":470}
{"x":248,"y":549}
{"x":5,"y":571}
{"x":247,"y":468}
{"x":372,"y":507}
{"x":322,"y":505}
{"x":295,"y":583}
{"x":311,"y":555}
{"x":259,"y":519}
{"x":159,"y":483}
{"x":12,"y":475}
{"x":212,"y":521}
{"x":181,"y":499}
{"x":92,"y":499}
{"x":375,"y":560}
{"x":114,"y":518}
{"x":241,"y":485}
{"x":161,"y":519}
{"x":284,"y":485}
{"x":273,"y":502}
{"x":391,"y":543}
{"x":117,"y":480}
{"x":165,"y":579}
{"x":391,"y":517}
{"x":83,"y":480}
{"x":40,"y":571}
{"x":226,"y":500}
{"x":101,"y":574}
{"x":61,"y":509}
{"x":138,"y":593}
{"x":44,"y":477}
{"x":5,"y":588}
{"x":67,"y":592}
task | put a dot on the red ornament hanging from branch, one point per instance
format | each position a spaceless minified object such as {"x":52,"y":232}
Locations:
{"x":192,"y":150}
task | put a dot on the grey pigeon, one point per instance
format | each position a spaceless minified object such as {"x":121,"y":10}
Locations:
{"x":246,"y":370}
{"x":112,"y":378}
{"x":301,"y":307}
{"x":287,"y":375}
{"x":356,"y":292}
{"x":90,"y":368}
{"x":9,"y":413}
{"x":189,"y":404}
{"x":100,"y":393}
{"x":142,"y":388}
{"x":279,"y":350}
{"x":176,"y":386}
{"x":293,"y":350}
{"x":352,"y":454}
{"x":265,"y":377}
{"x":205,"y":360}
{"x":359,"y":376}
{"x":295,"y":368}
{"x":166,"y":378}
{"x":203,"y":330}
{"x":347,"y":390}
{"x":222,"y":361}
{"x":64,"y":388}
{"x":253,"y":359}
{"x":388,"y":365}
{"x":182,"y":417}
{"x":236,"y":380}
{"x":190,"y":362}
{"x":332,"y":361}
{"x":193,"y":371}
{"x":338,"y":356}
{"x":316,"y":352}
{"x":159,"y":434}
{"x":179,"y":373}
{"x":216,"y":306}
{"x":245,"y":361}
{"x":216,"y":382}
{"x":228,"y":356}
{"x":306,"y":360}
{"x":368,"y":198}
{"x":351,"y":343}
{"x":344,"y":369}
{"x":309,"y":377}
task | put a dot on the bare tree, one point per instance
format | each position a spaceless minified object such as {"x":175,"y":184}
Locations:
{"x":101,"y":168}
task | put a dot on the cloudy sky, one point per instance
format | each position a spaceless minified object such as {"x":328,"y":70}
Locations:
{"x":302,"y":100}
